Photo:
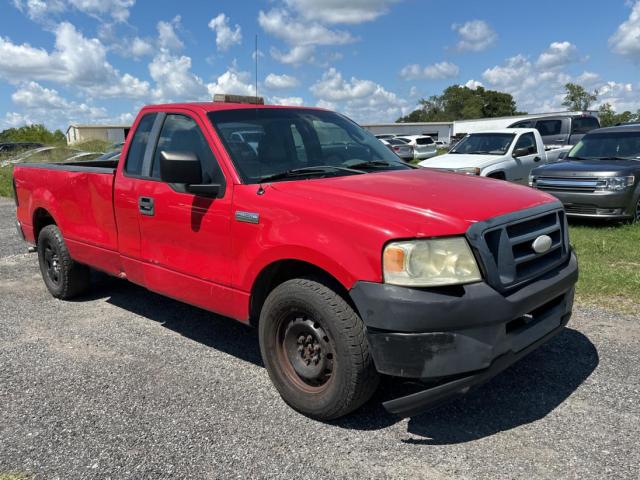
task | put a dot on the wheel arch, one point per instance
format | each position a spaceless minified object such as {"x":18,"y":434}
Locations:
{"x":41,"y":218}
{"x":280,"y":271}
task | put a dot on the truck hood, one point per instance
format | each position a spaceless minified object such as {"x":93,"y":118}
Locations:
{"x":462,"y":160}
{"x":588,"y":168}
{"x":411,"y":203}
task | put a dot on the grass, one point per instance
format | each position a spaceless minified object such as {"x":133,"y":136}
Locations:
{"x":609,"y":260}
{"x":14,"y":476}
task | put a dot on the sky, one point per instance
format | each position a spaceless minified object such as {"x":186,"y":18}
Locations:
{"x":99,"y":61}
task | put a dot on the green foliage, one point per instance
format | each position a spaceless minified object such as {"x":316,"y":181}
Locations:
{"x":459,"y":103}
{"x":32,"y":133}
{"x":609,"y":117}
{"x":577,"y":98}
{"x":93,"y":146}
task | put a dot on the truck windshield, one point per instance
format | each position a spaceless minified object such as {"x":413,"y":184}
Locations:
{"x":607,"y":146}
{"x":268,"y":144}
{"x":484,"y":144}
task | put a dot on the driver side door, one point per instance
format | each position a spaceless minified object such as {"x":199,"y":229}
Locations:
{"x":525,"y":162}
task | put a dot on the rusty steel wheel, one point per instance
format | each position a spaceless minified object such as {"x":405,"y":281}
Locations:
{"x":305,"y":352}
{"x":315,"y":349}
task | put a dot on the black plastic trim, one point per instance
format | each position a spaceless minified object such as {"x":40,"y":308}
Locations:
{"x":420,"y":402}
{"x":68,"y":167}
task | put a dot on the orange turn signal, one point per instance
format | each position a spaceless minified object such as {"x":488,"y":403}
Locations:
{"x":393,"y":259}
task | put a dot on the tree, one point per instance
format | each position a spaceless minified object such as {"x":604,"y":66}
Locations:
{"x":458,"y":103}
{"x":577,"y":98}
{"x":32,"y":133}
{"x":609,"y":117}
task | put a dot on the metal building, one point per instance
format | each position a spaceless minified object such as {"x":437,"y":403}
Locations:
{"x":108,"y":133}
{"x":436,"y":130}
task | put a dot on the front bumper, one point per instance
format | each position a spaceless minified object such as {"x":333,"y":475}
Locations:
{"x":471,"y":330}
{"x":605,"y":204}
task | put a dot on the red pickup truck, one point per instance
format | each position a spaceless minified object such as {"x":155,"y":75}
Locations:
{"x":351,"y":263}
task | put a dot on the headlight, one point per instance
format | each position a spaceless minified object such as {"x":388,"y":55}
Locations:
{"x":468,"y":170}
{"x":617,"y":183}
{"x":430,"y":263}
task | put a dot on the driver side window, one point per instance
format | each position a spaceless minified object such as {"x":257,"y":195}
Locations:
{"x":181,"y":133}
{"x":528,"y":141}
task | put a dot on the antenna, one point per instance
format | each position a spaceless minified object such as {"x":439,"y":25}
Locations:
{"x":256,"y":55}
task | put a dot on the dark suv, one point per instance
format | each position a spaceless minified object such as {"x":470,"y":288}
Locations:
{"x":561,"y":130}
{"x":600,"y":177}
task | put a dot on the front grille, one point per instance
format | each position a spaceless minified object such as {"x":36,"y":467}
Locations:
{"x":571,"y":184}
{"x":506,"y":247}
{"x":581,"y":209}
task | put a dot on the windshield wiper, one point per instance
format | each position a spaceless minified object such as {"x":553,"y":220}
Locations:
{"x":372,"y":164}
{"x":313,"y":170}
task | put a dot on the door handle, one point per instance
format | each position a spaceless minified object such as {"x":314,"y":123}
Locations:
{"x":145,"y":205}
{"x":536,"y":159}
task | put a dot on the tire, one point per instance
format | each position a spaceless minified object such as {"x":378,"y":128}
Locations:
{"x":315,"y":349}
{"x":63,"y":277}
{"x":635,"y":212}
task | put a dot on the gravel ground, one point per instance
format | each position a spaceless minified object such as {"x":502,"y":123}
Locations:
{"x":128,"y":384}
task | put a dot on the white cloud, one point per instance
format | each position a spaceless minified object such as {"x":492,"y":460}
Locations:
{"x":40,"y":10}
{"x":140,"y":47}
{"x":117,"y":9}
{"x":174,"y":79}
{"x":626,"y":39}
{"x":558,"y":54}
{"x":76,"y":60}
{"x":45,"y":105}
{"x":287,"y":101}
{"x":473,"y":84}
{"x":297,"y":55}
{"x":275,"y":82}
{"x":233,"y":82}
{"x":16,"y":119}
{"x":537,"y":90}
{"x":475,"y":36}
{"x":296,"y":32}
{"x":364,"y":100}
{"x":167,"y":36}
{"x":437,"y":71}
{"x":226,"y":37}
{"x":341,"y":11}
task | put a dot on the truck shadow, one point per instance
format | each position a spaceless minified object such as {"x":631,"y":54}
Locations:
{"x":526,"y":392}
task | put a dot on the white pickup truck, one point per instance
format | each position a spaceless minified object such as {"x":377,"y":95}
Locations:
{"x":508,"y":154}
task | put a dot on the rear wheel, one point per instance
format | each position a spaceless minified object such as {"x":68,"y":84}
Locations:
{"x":636,"y":212}
{"x":315,"y":349}
{"x":63,"y":277}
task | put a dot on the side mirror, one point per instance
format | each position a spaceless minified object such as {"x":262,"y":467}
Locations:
{"x":180,"y":167}
{"x":563,"y":155}
{"x":521,"y":152}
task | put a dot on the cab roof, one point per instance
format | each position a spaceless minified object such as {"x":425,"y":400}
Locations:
{"x":219,"y":106}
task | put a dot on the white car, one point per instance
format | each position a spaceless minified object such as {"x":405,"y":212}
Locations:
{"x":508,"y":154}
{"x":385,"y":136}
{"x":424,"y":147}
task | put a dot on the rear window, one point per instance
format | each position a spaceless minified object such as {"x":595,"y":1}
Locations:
{"x":424,"y":141}
{"x":584,"y":124}
{"x":135,"y":156}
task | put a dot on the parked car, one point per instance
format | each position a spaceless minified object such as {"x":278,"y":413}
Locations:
{"x":424,"y":147}
{"x":561,"y":130}
{"x":441,"y":144}
{"x":600,"y":177}
{"x":508,"y":154}
{"x":400,"y":148}
{"x":350,"y":262}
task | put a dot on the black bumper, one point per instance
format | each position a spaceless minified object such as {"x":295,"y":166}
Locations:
{"x":431,"y":334}
{"x":613,"y":205}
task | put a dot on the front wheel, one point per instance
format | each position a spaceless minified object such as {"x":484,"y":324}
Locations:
{"x":315,"y":349}
{"x":63,"y":277}
{"x":635,"y":215}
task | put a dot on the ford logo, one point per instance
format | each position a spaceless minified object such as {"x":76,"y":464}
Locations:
{"x":542,"y":244}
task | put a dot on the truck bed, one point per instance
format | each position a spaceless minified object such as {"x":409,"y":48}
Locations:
{"x":79,"y":197}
